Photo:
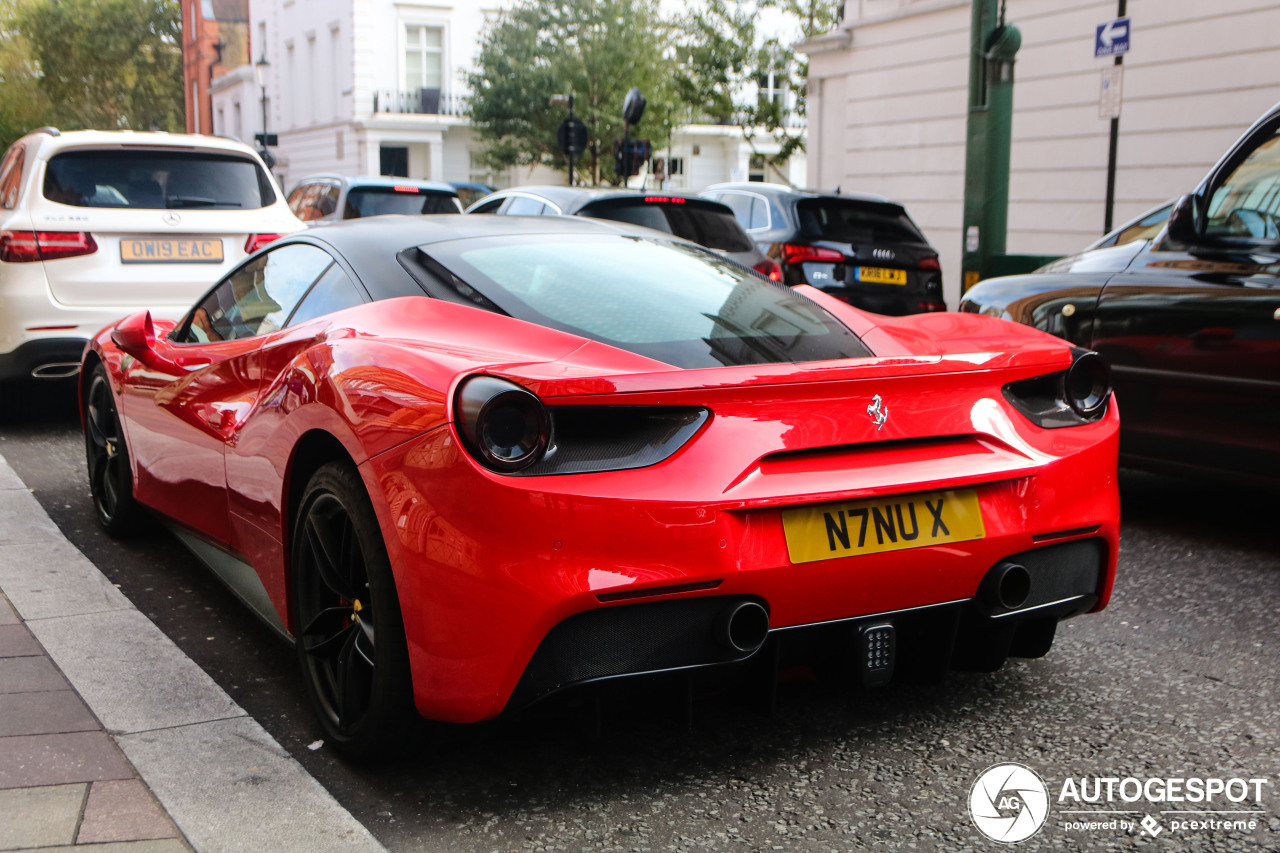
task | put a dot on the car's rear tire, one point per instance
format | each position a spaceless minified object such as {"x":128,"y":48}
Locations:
{"x":107,"y":457}
{"x":344,"y":597}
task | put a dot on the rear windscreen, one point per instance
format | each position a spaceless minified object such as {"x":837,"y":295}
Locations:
{"x":671,"y":301}
{"x":157,"y":180}
{"x":850,"y":221}
{"x":375,"y":201}
{"x":713,"y":227}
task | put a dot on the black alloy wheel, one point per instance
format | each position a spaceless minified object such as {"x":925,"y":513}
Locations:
{"x":110,"y":477}
{"x":350,"y":637}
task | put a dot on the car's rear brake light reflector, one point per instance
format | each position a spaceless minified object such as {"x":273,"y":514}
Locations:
{"x":793,"y":253}
{"x":403,"y":189}
{"x":769,"y":269}
{"x":257,"y":241}
{"x":51,"y":328}
{"x":930,"y":262}
{"x":19,"y":247}
{"x":663,"y":199}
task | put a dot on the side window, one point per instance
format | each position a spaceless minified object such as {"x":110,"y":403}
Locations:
{"x":259,"y":296}
{"x":327,"y":200}
{"x":295,"y":197}
{"x":740,"y":205}
{"x":1247,"y":204}
{"x":490,"y":206}
{"x":11,"y":175}
{"x":333,"y":292}
{"x":522,"y":206}
{"x":759,"y":214}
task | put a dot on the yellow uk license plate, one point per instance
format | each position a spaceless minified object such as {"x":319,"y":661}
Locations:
{"x":170,"y":251}
{"x":880,"y":275}
{"x":851,"y":528}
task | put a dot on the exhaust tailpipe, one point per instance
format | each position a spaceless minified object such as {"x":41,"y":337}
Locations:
{"x":742,"y":627}
{"x":56,"y":370}
{"x":1007,"y":586}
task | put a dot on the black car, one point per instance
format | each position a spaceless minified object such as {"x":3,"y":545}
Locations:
{"x":324,"y":199}
{"x":858,"y":247}
{"x":1188,"y":320}
{"x":696,"y":219}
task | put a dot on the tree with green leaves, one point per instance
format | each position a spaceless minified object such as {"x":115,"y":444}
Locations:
{"x":596,"y":50}
{"x":102,"y":64}
{"x":727,"y":60}
{"x":21,"y":105}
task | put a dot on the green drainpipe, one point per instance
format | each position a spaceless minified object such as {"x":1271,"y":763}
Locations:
{"x":987,"y":140}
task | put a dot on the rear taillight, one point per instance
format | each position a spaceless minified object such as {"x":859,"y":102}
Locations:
{"x":24,"y":247}
{"x":797,"y":254}
{"x":770,"y":269}
{"x":932,"y":306}
{"x":930,"y":262}
{"x":257,"y":241}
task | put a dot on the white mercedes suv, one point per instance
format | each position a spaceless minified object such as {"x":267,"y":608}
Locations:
{"x":98,"y":224}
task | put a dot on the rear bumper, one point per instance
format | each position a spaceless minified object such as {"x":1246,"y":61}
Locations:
{"x":43,"y":358}
{"x":688,"y":633}
{"x":490,"y":570}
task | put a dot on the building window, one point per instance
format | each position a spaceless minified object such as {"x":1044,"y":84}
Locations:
{"x":423,"y":57}
{"x":220,"y":122}
{"x":675,"y":166}
{"x":756,"y":172}
{"x":772,"y":89}
{"x":237,"y":122}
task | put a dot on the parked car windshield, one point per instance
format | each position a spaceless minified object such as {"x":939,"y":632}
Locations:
{"x":153,"y":179}
{"x":375,"y":201}
{"x":851,"y":221}
{"x":670,"y":301}
{"x":700,"y":223}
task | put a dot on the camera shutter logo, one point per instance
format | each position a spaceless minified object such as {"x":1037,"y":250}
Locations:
{"x":1009,"y":803}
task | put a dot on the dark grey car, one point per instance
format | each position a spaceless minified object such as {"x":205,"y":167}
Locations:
{"x":698,"y":220}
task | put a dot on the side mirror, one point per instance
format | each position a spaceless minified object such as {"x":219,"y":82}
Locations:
{"x":1183,"y":220}
{"x":135,"y":335}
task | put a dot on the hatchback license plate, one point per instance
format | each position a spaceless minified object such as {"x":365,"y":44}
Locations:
{"x":895,"y":523}
{"x":880,"y":275}
{"x":170,"y":251}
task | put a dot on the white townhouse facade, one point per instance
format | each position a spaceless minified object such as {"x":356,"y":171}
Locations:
{"x":358,"y":87}
{"x":888,"y":99}
{"x":372,"y":87}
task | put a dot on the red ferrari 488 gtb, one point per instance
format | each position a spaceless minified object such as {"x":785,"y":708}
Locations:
{"x":466,"y":462}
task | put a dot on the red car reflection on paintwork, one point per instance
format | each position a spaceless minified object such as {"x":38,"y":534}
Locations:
{"x":465,"y":463}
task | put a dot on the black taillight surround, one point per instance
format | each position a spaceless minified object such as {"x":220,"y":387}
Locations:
{"x":575,"y":439}
{"x":1072,"y":397}
{"x":505,"y":427}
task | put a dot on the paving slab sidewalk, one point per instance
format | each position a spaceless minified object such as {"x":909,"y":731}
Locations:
{"x":110,"y":736}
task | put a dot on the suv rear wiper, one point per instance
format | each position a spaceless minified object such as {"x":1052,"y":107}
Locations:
{"x":196,"y":201}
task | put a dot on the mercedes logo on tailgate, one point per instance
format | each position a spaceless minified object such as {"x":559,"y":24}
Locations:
{"x":172,"y":218}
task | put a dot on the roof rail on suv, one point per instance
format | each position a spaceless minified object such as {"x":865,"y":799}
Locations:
{"x":52,"y":131}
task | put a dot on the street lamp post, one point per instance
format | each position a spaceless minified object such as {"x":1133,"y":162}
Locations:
{"x":260,"y":72}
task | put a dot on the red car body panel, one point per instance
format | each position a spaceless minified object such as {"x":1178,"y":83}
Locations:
{"x":486,"y":564}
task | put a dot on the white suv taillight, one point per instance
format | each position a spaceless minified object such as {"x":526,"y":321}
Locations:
{"x":24,"y":247}
{"x":257,"y":241}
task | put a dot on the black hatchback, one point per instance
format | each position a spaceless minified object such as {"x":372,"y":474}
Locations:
{"x":861,"y":248}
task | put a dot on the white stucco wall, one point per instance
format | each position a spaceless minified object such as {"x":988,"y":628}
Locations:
{"x":887,"y":113}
